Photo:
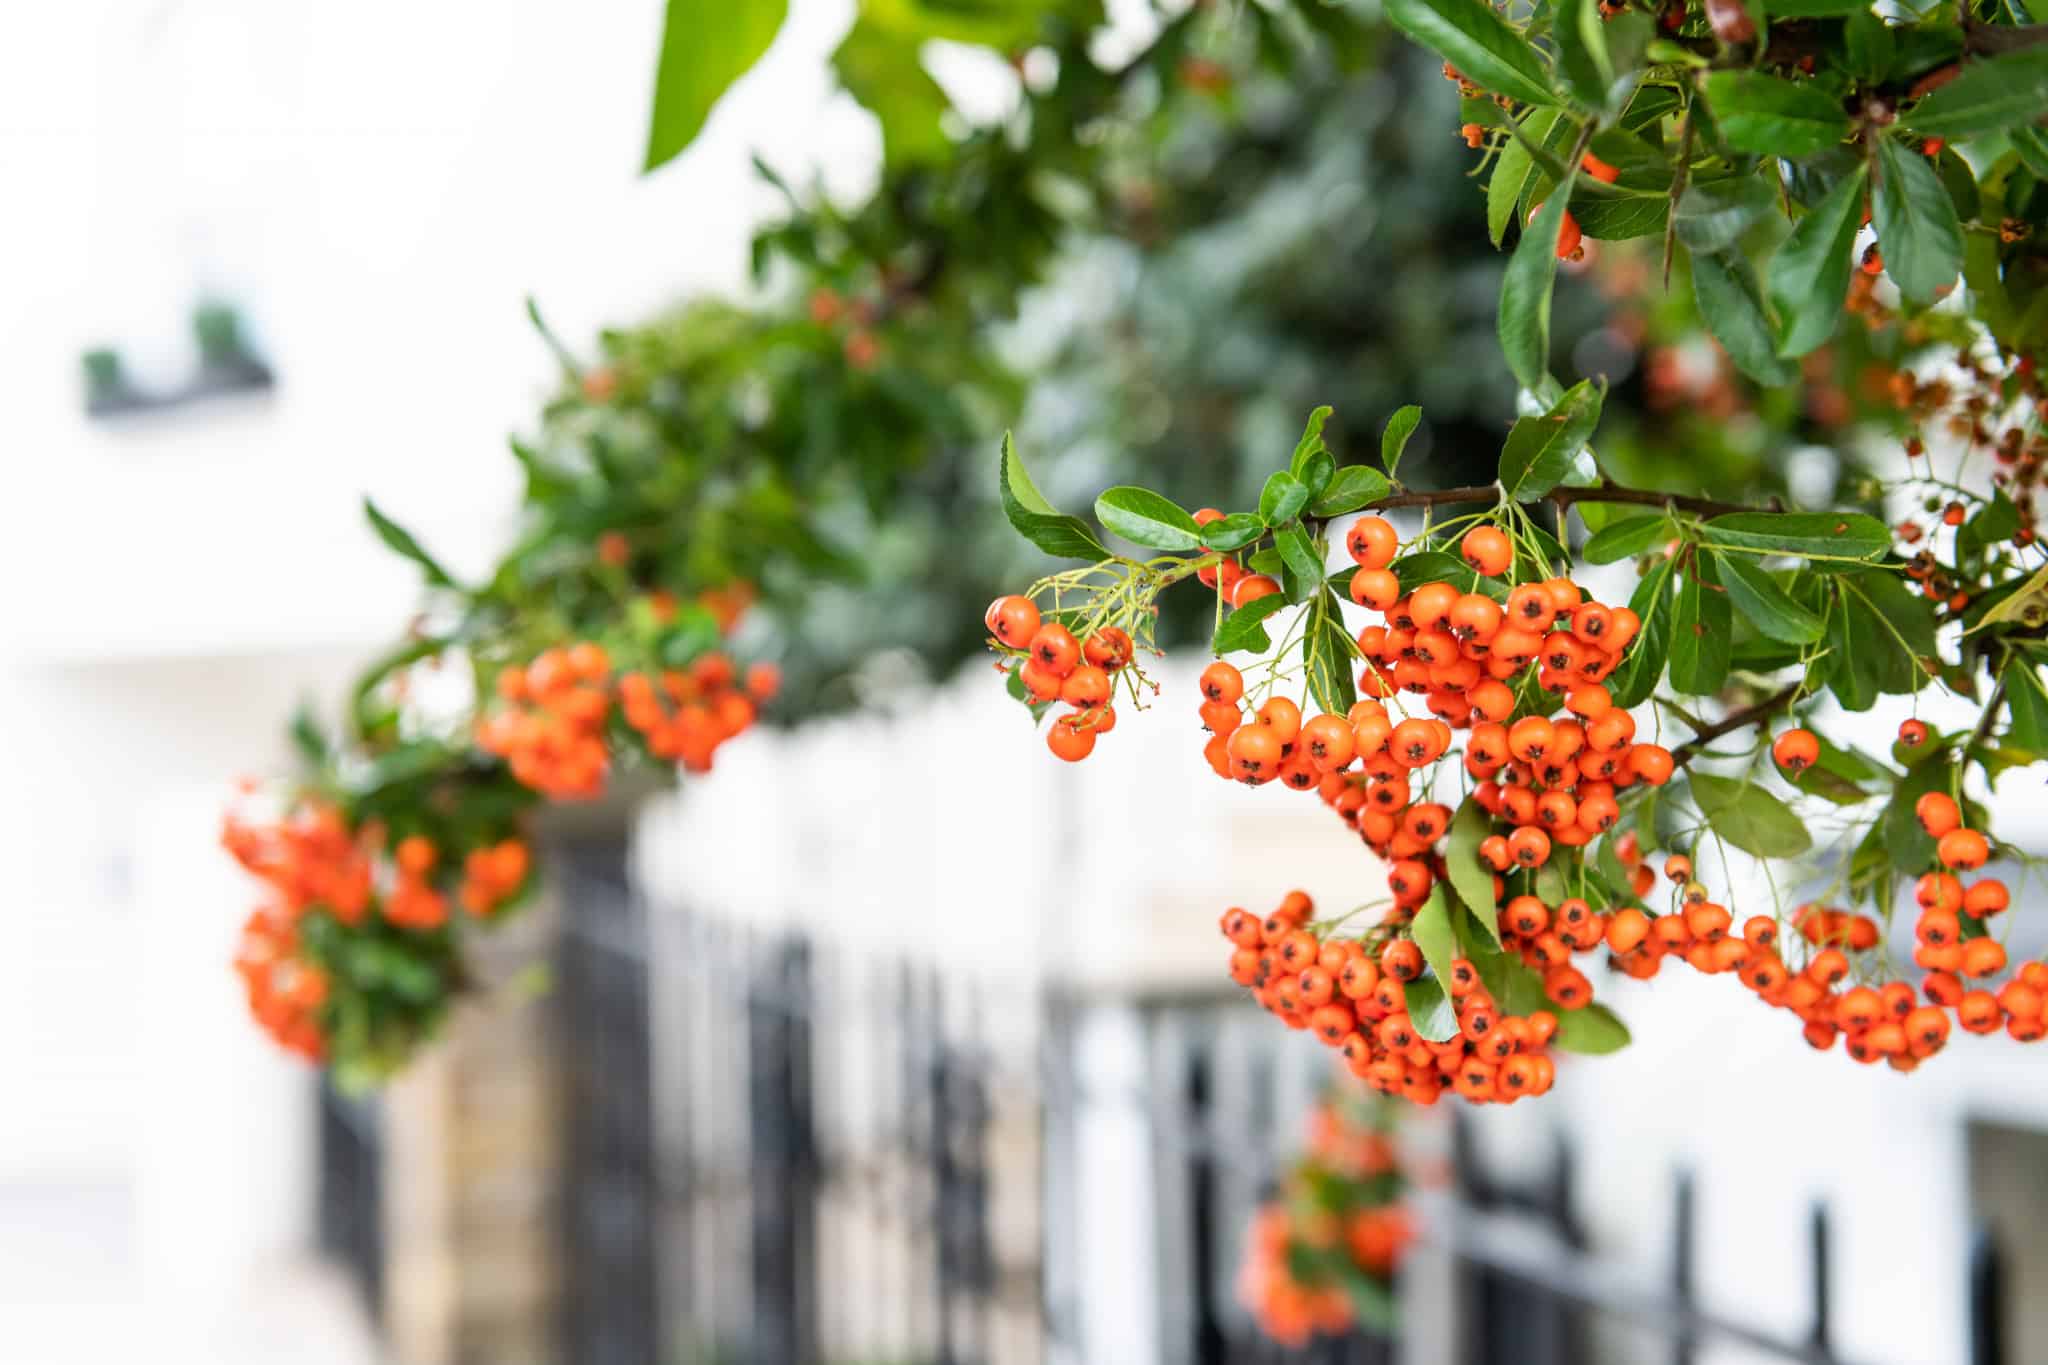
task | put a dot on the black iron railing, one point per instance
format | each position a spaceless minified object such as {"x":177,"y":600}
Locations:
{"x":779,"y":1153}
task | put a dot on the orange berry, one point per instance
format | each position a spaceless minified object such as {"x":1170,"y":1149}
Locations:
{"x":1221,"y":682}
{"x":1963,"y":849}
{"x":1796,"y":750}
{"x":1069,"y":740}
{"x":1252,"y":587}
{"x":1937,"y":814}
{"x":1372,"y":542}
{"x":1488,"y":550}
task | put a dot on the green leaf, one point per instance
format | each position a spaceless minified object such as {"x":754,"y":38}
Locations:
{"x":1511,"y":172}
{"x":400,"y":540}
{"x":1774,"y":117}
{"x":1525,"y":290}
{"x":1724,"y":285}
{"x":1993,"y":525}
{"x":1823,"y":537}
{"x":1713,"y":215}
{"x":1869,"y":44}
{"x":1815,"y":9}
{"x":1434,"y":934}
{"x":1431,"y":1011}
{"x":1352,"y":488}
{"x":1809,"y":277}
{"x":1234,"y":532}
{"x":1626,"y":539}
{"x":1310,"y":444}
{"x":306,"y":735}
{"x":1329,"y":652}
{"x":1607,"y":216}
{"x":1282,"y":498}
{"x":1470,"y":877}
{"x":1891,"y":627}
{"x":2008,"y":91}
{"x":1539,"y":450}
{"x":882,"y":68}
{"x":1756,"y":594}
{"x":1906,"y":844}
{"x":706,"y":45}
{"x":1916,"y":223}
{"x":1632,"y":682}
{"x":1394,"y":439}
{"x":1582,"y":57}
{"x":1304,"y":565}
{"x":1244,"y":628}
{"x":1591,"y":1030}
{"x":1059,"y":535}
{"x":1700,"y":633}
{"x":2027,"y":704}
{"x":1749,"y":817}
{"x":1471,"y":36}
{"x":1146,"y":518}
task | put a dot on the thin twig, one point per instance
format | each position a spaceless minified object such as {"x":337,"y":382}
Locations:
{"x":1735,"y":720}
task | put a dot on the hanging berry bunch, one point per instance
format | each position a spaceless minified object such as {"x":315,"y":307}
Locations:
{"x":1493,"y":733}
{"x":1320,"y":1257}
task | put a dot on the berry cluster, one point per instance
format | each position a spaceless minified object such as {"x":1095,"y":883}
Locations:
{"x":553,"y":726}
{"x":1338,"y":1215}
{"x":1836,"y":978}
{"x":285,"y":992}
{"x":1056,"y":666}
{"x":1352,"y":993}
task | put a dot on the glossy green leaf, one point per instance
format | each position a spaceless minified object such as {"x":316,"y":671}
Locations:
{"x":1701,"y":629}
{"x":1304,"y":565}
{"x":1824,"y":537}
{"x":1351,"y":488}
{"x":883,"y":69}
{"x":1774,"y":117}
{"x":1431,"y":1010}
{"x":1590,"y":1030}
{"x":1470,"y":877}
{"x":1755,"y":594}
{"x":1749,"y":817}
{"x":1580,"y":35}
{"x":1626,"y":539}
{"x":1993,"y":525}
{"x":1540,"y":450}
{"x":1282,"y":499}
{"x":1059,"y":535}
{"x":1608,"y":216}
{"x":1471,"y":35}
{"x":1511,"y":172}
{"x":1244,"y":629}
{"x":1330,"y":654}
{"x":1394,"y":438}
{"x":1146,"y":518}
{"x":1869,"y":46}
{"x":1916,"y":223}
{"x":1633,"y":681}
{"x":706,"y":45}
{"x":1234,"y":532}
{"x":400,"y":541}
{"x":1725,"y":288}
{"x":2007,"y":91}
{"x":1434,"y":935}
{"x":2027,"y":703}
{"x":1808,"y":279}
{"x":1525,"y":290}
{"x":1311,"y":442}
{"x":1713,"y":215}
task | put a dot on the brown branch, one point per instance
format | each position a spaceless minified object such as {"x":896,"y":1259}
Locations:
{"x":1734,"y":720}
{"x":1990,"y":40}
{"x":1566,"y":495}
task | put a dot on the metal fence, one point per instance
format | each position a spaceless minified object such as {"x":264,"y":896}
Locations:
{"x":348,"y":1221}
{"x":779,"y":1153}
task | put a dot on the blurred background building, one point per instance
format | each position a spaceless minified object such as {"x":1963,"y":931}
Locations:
{"x":374,"y":190}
